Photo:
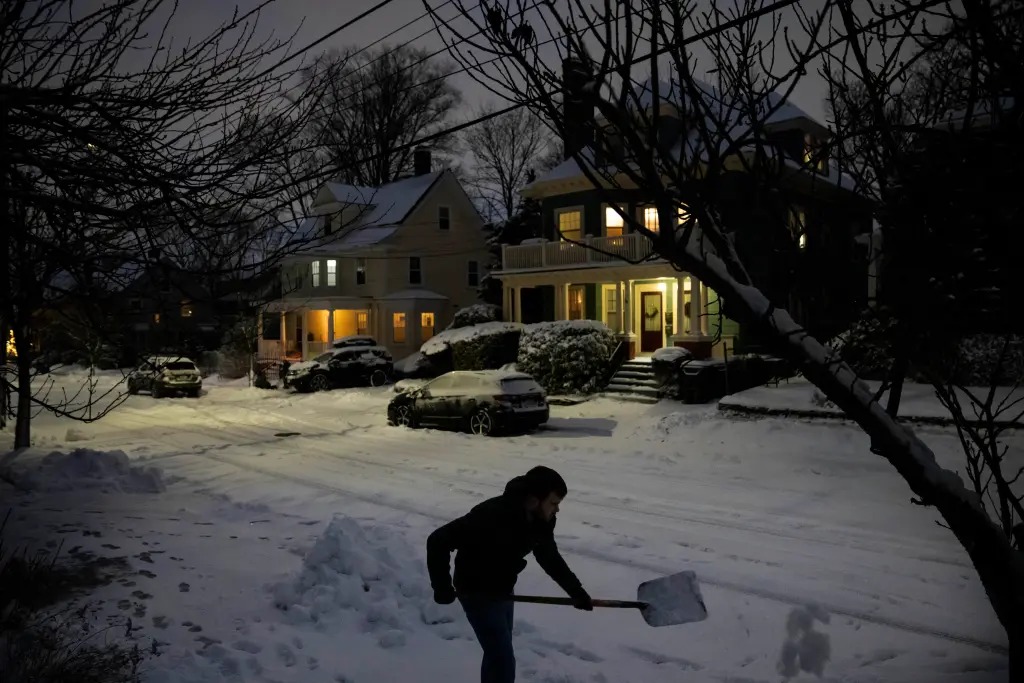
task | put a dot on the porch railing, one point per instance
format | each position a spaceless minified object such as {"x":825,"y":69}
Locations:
{"x":612,"y":250}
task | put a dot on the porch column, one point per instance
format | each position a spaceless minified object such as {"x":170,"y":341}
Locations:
{"x":284,"y":333}
{"x":506,"y":303}
{"x":704,"y":321}
{"x":517,"y":304}
{"x":330,"y":326}
{"x":679,"y":319}
{"x":627,"y":308}
{"x":305,"y":332}
{"x":620,"y":298}
{"x":695,"y":289}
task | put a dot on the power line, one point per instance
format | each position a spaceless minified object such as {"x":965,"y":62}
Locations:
{"x":385,"y":37}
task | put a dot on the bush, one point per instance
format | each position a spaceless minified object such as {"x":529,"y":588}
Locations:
{"x":567,"y":356}
{"x":977,"y":360}
{"x":865,"y":347}
{"x":486,"y":351}
{"x":474,"y":315}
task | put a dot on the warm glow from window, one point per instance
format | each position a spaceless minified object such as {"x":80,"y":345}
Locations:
{"x":684,"y":215}
{"x":576,"y":306}
{"x":803,"y":241}
{"x":398,"y":325}
{"x":314,"y":268}
{"x":426,"y":326}
{"x":186,"y":309}
{"x":12,"y":352}
{"x":651,"y":218}
{"x":798,"y":226}
{"x":570,"y":225}
{"x":613,"y":223}
{"x":156,"y":318}
{"x":332,"y":273}
{"x":362,"y":322}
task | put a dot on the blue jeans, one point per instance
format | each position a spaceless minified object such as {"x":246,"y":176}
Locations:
{"x":492,"y":622}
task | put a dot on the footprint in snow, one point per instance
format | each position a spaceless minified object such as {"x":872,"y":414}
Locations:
{"x":569,"y":650}
{"x":161,"y":622}
{"x":659,"y":658}
{"x":184,"y":587}
{"x":286,"y":655}
{"x":247,"y":646}
{"x":141,"y":595}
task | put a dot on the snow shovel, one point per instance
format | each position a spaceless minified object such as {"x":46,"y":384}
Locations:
{"x":667,"y":601}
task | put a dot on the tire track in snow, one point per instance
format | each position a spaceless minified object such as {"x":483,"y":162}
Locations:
{"x":775,"y":596}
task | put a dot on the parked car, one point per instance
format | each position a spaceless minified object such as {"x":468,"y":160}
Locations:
{"x":347,"y":366}
{"x":354,"y":340}
{"x":164,"y":375}
{"x":484,"y":402}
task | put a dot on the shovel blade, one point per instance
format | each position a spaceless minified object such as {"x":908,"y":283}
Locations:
{"x":670,"y":600}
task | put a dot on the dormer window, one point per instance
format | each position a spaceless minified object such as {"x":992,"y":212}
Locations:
{"x":798,"y":226}
{"x":815,"y":154}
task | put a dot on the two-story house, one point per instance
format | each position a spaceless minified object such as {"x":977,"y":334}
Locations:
{"x":589,"y":265}
{"x":394,"y":262}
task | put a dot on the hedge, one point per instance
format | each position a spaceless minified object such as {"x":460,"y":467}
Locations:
{"x":567,"y":356}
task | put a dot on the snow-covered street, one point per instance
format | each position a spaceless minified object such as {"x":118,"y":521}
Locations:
{"x":772,"y":514}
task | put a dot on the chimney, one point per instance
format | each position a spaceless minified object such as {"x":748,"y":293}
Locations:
{"x":421,"y":161}
{"x":578,"y":115}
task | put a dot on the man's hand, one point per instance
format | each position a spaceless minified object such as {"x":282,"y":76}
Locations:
{"x":444,"y":596}
{"x":581,"y":600}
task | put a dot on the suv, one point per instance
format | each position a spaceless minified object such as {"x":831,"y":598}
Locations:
{"x":483,"y":402}
{"x":162,"y":375}
{"x":345,"y":366}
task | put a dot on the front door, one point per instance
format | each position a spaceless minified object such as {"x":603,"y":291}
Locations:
{"x":651,"y":321}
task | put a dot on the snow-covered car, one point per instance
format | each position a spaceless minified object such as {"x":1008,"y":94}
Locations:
{"x":408,"y":384}
{"x":354,"y":340}
{"x":347,"y":366}
{"x":164,"y":375}
{"x":484,"y":402}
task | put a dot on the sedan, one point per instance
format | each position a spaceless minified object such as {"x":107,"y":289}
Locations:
{"x":483,"y":402}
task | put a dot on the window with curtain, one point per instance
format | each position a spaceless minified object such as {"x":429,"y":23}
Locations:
{"x":570,"y":224}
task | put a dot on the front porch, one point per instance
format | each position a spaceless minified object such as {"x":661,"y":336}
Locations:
{"x":659,"y":306}
{"x":305,"y":333}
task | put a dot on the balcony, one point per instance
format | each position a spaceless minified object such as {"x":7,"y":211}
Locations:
{"x":595,"y":252}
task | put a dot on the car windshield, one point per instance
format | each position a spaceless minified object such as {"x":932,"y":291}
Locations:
{"x":520,"y":385}
{"x":179,"y":365}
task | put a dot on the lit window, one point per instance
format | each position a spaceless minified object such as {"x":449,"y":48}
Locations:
{"x":613,"y":223}
{"x":576,"y":305}
{"x":684,"y":215}
{"x":360,"y":271}
{"x":814,"y":153}
{"x":473,"y":273}
{"x":797,"y":220}
{"x":444,"y":217}
{"x":570,"y":224}
{"x":186,"y":309}
{"x":314,"y":269}
{"x":362,"y":322}
{"x":415,"y":273}
{"x":398,"y":326}
{"x":156,"y":318}
{"x":426,"y":326}
{"x":332,"y":273}
{"x":651,"y":218}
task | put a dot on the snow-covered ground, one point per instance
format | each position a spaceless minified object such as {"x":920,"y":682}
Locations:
{"x":253,"y":556}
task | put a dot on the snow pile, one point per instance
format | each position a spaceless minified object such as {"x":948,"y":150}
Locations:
{"x":411,"y":364}
{"x":671,"y":354}
{"x":804,"y":648}
{"x":85,"y":469}
{"x":366,"y":578}
{"x":443,"y":340}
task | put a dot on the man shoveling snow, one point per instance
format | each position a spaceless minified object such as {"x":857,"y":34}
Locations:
{"x":490,"y":543}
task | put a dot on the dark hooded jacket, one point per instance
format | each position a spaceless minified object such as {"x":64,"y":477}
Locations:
{"x":491,"y":542}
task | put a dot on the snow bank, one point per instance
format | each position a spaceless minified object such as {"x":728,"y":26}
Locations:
{"x":411,"y":363}
{"x":367,"y":578}
{"x":443,"y":340}
{"x":85,"y":469}
{"x":671,"y":354}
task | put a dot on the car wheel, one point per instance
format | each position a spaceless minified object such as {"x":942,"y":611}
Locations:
{"x":378,"y":378}
{"x":403,"y":417}
{"x":156,"y":391}
{"x":481,"y":423}
{"x":132,"y":388}
{"x":319,"y":383}
{"x":193,"y":393}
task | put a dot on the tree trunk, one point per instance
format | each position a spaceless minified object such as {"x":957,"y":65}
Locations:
{"x":23,"y":421}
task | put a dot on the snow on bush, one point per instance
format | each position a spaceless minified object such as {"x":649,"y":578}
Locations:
{"x":366,"y":577}
{"x":474,"y":315}
{"x":84,"y":469}
{"x":567,"y":356}
{"x":443,"y":341}
{"x":982,"y":360}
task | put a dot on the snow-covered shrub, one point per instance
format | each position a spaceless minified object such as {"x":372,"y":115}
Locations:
{"x":865,"y":347}
{"x":978,"y":360}
{"x":474,"y":315}
{"x":567,"y":356}
{"x":486,"y":351}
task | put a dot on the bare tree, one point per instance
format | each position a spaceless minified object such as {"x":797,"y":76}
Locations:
{"x":505,"y":151}
{"x":682,"y":156}
{"x":375,"y":103}
{"x":111,"y":161}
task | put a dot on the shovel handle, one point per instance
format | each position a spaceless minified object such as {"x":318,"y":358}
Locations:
{"x":545,"y":600}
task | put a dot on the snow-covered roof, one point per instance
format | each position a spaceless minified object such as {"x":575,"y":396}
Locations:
{"x":413,"y":294}
{"x":387,"y":205}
